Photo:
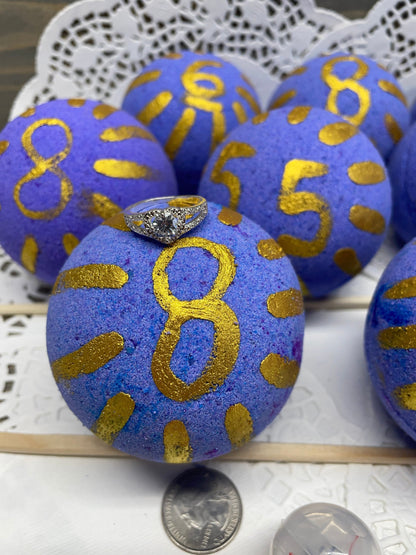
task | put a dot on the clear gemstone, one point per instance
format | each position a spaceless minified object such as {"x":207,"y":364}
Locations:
{"x":165,"y":224}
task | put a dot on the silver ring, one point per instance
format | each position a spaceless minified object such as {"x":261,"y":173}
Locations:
{"x":166,"y":218}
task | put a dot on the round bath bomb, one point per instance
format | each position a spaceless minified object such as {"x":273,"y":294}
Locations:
{"x":402,"y":168}
{"x":314,"y":182}
{"x":66,"y":165}
{"x":354,"y":87}
{"x":177,"y":353}
{"x":390,"y":338}
{"x":190,"y":102}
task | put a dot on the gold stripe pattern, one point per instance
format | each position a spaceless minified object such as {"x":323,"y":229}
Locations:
{"x":69,"y":242}
{"x":260,"y":118}
{"x":347,"y":260}
{"x":404,"y":289}
{"x":101,"y":206}
{"x":114,"y":417}
{"x":176,"y":442}
{"x":27,"y":113}
{"x":298,"y":114}
{"x":249,"y":98}
{"x":101,"y":276}
{"x":270,"y":249}
{"x":285,"y":304}
{"x":366,"y":173}
{"x":400,"y":337}
{"x":239,"y":424}
{"x":298,"y":71}
{"x":279,"y":371}
{"x":366,"y":219}
{"x":239,"y":112}
{"x":406,"y":396}
{"x":76,"y":102}
{"x":337,"y":133}
{"x":155,"y":107}
{"x":123,"y":169}
{"x":125,"y":132}
{"x":143,"y":78}
{"x":283,"y":99}
{"x":389,"y":87}
{"x":117,"y":222}
{"x":89,"y":358}
{"x":229,"y":217}
{"x":102,"y":111}
{"x":393,"y":128}
{"x":180,"y":132}
{"x":29,"y":254}
{"x":4,"y":145}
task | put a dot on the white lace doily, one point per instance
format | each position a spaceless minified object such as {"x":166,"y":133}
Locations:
{"x":93,"y":49}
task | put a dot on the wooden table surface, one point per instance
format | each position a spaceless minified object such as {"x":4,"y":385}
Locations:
{"x":22,"y":22}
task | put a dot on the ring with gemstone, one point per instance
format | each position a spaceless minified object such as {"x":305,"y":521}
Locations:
{"x":165,"y":219}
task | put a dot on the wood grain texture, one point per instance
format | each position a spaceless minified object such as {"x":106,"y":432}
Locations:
{"x":22,"y":22}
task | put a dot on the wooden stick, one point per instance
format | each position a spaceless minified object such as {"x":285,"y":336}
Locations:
{"x":90,"y":446}
{"x":331,"y":303}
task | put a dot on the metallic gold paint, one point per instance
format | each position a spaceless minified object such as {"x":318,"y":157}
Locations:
{"x":239,"y":424}
{"x":298,"y":114}
{"x":366,"y":219}
{"x":270,"y":249}
{"x":285,"y":304}
{"x":123,"y":169}
{"x":224,"y":177}
{"x":366,"y":173}
{"x":180,"y":132}
{"x":293,"y":202}
{"x":229,"y":217}
{"x":176,"y":442}
{"x":30,"y":253}
{"x":406,"y":396}
{"x":211,"y":307}
{"x":393,"y":128}
{"x":154,"y":107}
{"x":114,"y":417}
{"x":337,"y":133}
{"x":3,"y":146}
{"x":249,"y":98}
{"x":117,"y":222}
{"x":76,"y":102}
{"x":260,"y":118}
{"x":28,"y":113}
{"x":43,"y":165}
{"x":346,"y":259}
{"x":100,"y":205}
{"x":125,"y":132}
{"x":283,"y":99}
{"x":389,"y":87}
{"x":69,"y":242}
{"x":239,"y":112}
{"x":403,"y":289}
{"x":103,"y":276}
{"x":89,"y":357}
{"x":399,"y":337}
{"x":279,"y":371}
{"x":337,"y":85}
{"x":143,"y":78}
{"x":102,"y":111}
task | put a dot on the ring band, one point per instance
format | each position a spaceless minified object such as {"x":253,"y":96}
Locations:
{"x":166,"y":218}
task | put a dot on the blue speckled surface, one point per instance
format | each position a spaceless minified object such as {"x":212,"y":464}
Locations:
{"x":196,"y":148}
{"x":312,"y":90}
{"x":276,"y":142}
{"x":395,"y":367}
{"x":76,"y":316}
{"x":43,"y":192}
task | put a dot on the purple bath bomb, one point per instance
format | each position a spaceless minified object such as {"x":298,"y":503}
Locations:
{"x":177,"y":353}
{"x":390,"y":338}
{"x":354,"y":87}
{"x":66,"y":165}
{"x":190,"y":102}
{"x":402,"y":169}
{"x":314,"y":182}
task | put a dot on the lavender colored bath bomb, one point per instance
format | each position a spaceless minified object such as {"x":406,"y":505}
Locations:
{"x":177,"y":353}
{"x":314,"y":182}
{"x":190,"y":102}
{"x":402,"y":168}
{"x":354,"y":87}
{"x":66,"y":165}
{"x":390,"y":339}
